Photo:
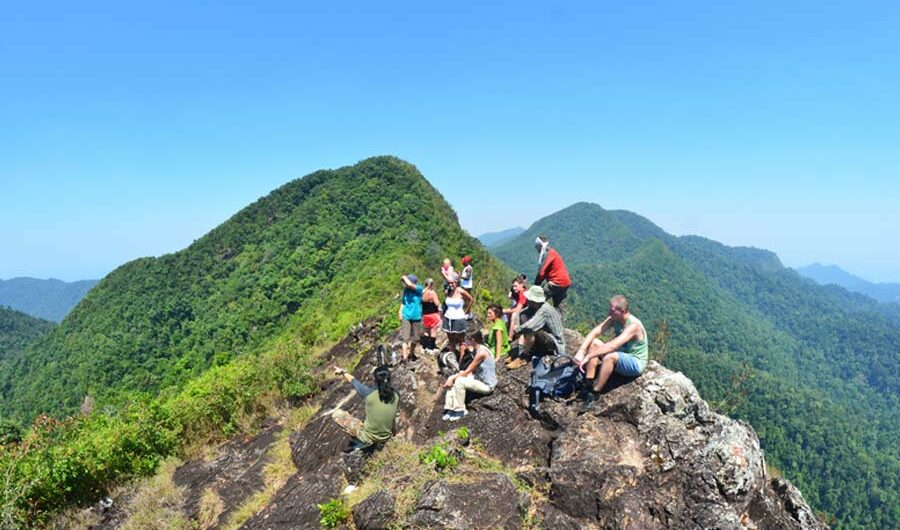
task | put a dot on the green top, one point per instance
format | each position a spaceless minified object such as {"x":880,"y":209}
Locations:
{"x":634,"y":347}
{"x":379,"y":424}
{"x":500,"y":326}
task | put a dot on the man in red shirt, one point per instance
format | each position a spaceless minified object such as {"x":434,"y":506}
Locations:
{"x":553,"y":270}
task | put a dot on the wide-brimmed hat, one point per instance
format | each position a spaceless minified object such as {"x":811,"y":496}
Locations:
{"x":535,"y":293}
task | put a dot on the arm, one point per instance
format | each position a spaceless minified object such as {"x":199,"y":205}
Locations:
{"x":627,"y":334}
{"x":480,"y":355}
{"x":361,"y":389}
{"x":468,"y":298}
{"x":598,"y":330}
{"x":545,"y":266}
{"x":534,"y":323}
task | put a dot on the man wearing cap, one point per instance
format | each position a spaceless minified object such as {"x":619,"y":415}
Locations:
{"x":410,"y":314}
{"x":543,"y":331}
{"x":553,"y":270}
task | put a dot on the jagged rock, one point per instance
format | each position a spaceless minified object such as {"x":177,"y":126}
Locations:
{"x":234,"y":475}
{"x":489,"y":501}
{"x":650,"y":454}
{"x":375,"y":512}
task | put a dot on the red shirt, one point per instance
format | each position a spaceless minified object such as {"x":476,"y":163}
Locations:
{"x":553,"y":270}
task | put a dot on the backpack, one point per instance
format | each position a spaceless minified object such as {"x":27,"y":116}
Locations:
{"x":556,"y":380}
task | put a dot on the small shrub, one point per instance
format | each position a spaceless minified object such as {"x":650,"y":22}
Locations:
{"x":463,"y":434}
{"x":438,"y":455}
{"x":333,"y":513}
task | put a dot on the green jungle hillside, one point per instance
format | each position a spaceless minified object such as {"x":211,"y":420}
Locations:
{"x":310,"y":259}
{"x":815,"y":370}
{"x":168,"y":356}
{"x":17,"y":331}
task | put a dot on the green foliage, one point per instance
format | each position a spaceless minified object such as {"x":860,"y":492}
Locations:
{"x":17,"y":331}
{"x":311,"y":259}
{"x":333,"y":513}
{"x":813,"y":369}
{"x":59,"y":463}
{"x":440,"y":456}
{"x":462,"y":434}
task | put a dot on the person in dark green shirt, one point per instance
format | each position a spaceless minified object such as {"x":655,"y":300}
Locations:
{"x":381,"y":409}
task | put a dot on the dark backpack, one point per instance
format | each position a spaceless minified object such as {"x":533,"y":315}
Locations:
{"x":557,"y":380}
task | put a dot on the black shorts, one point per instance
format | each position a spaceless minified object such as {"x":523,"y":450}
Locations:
{"x":454,"y":326}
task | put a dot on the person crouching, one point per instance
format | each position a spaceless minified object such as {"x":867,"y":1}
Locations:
{"x":479,"y":377}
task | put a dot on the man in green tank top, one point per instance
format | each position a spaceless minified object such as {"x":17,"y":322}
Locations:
{"x":625,"y":354}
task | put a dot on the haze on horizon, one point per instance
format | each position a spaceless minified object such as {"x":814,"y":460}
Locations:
{"x":131,"y":131}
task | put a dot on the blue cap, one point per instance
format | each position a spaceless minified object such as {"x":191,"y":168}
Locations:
{"x":412,"y":278}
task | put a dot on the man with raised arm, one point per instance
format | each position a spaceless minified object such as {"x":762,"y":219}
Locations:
{"x":625,"y":354}
{"x":553,"y":270}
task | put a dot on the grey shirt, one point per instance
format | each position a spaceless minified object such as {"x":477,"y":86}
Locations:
{"x":547,"y":318}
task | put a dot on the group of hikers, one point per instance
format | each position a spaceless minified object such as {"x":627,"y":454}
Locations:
{"x":530,"y":328}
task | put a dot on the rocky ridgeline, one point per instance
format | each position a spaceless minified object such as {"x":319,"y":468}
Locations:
{"x":651,"y":454}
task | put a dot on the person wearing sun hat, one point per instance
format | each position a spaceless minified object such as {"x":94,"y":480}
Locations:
{"x":410,"y":314}
{"x":543,"y":331}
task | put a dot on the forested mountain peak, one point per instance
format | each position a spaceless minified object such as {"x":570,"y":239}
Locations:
{"x":311,"y":257}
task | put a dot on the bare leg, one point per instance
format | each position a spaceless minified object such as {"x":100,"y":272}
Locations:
{"x":591,"y":371}
{"x":606,"y":369}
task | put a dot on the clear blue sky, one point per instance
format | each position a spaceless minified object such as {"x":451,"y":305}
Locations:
{"x":131,"y":131}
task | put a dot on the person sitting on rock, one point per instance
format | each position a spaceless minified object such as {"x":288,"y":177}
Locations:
{"x":498,"y":338}
{"x":543,"y":331}
{"x":625,"y":354}
{"x":479,"y":376}
{"x":381,"y":409}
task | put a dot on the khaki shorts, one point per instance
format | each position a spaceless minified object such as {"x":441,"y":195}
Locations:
{"x":410,"y":330}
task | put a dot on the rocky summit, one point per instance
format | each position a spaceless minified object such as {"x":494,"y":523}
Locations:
{"x":650,"y":454}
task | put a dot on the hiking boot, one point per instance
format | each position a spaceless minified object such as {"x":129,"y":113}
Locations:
{"x":516,"y":363}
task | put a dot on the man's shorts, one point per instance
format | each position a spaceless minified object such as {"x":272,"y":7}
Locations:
{"x":629,"y":365}
{"x":410,"y":330}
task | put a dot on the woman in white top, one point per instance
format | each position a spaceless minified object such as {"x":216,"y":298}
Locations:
{"x":456,"y":304}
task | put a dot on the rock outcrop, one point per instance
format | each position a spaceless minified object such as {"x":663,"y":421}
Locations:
{"x":649,"y":454}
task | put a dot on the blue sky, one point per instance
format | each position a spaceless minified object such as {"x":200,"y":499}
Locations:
{"x":128,"y":131}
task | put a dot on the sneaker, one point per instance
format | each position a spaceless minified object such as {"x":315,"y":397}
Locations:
{"x":516,"y":363}
{"x":446,"y":416}
{"x":458,"y":415}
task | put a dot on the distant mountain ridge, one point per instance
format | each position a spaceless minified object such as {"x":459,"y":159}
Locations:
{"x":834,"y":275}
{"x":492,"y":239}
{"x":814,"y":369}
{"x":49,"y":299}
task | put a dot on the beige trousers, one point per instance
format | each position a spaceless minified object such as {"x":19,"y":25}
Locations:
{"x":455,"y":399}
